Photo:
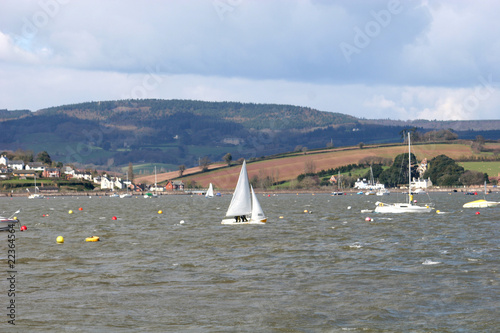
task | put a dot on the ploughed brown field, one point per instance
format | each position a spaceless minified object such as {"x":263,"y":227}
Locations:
{"x":287,"y":168}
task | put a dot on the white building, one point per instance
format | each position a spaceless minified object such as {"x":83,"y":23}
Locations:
{"x":421,"y":183}
{"x":36,"y":166}
{"x":4,"y":160}
{"x":16,"y":164}
{"x":366,"y":185}
{"x":111,"y":183}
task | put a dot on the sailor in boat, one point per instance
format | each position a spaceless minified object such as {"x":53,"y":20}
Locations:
{"x":244,"y":218}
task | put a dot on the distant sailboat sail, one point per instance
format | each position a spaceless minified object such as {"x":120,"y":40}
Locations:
{"x":210,"y":191}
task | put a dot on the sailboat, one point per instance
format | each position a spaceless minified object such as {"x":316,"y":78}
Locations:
{"x":372,"y":183}
{"x":244,"y":203}
{"x":7,"y":222}
{"x":403,"y":207}
{"x":36,"y":195}
{"x":338,"y":186}
{"x":210,"y":191}
{"x":152,"y":195}
{"x":126,"y":195}
{"x":482,"y":203}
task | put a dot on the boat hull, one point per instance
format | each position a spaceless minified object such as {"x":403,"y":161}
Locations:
{"x":481,"y":204}
{"x":400,"y":208}
{"x":6,"y":223}
{"x":232,"y":221}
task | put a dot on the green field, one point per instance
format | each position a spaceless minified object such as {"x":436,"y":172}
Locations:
{"x":491,"y":168}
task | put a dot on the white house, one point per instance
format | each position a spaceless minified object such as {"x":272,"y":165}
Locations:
{"x":82,"y":175}
{"x":106,"y":183}
{"x":4,"y":160}
{"x":37,"y":166}
{"x":111,"y":183}
{"x":16,"y":164}
{"x":365,"y":185}
{"x":421,"y":183}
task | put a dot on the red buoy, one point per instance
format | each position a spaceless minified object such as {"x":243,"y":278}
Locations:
{"x":80,"y":208}
{"x":477,"y":213}
{"x":113,"y":218}
{"x":23,"y":228}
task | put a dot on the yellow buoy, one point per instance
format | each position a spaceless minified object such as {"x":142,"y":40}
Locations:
{"x":70,"y":212}
{"x":14,"y":218}
{"x":438,"y":211}
{"x":305,"y":210}
{"x":92,"y":239}
{"x":160,"y":212}
{"x":60,"y":239}
{"x":281,"y":217}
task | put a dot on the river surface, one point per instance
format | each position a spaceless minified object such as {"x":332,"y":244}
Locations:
{"x":324,"y":270}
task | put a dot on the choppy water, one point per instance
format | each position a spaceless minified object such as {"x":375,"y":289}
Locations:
{"x":327,"y":271}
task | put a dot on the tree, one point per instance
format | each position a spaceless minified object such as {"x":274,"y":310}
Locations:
{"x":444,"y":171}
{"x":228,"y":158}
{"x":361,"y":145}
{"x":470,"y":177}
{"x":182,"y":168}
{"x":204,"y":163}
{"x":309,"y":167}
{"x":130,"y":172}
{"x":398,"y":172}
{"x":25,"y":155}
{"x":44,"y":158}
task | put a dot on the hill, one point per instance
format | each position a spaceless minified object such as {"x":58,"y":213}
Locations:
{"x":109,"y":134}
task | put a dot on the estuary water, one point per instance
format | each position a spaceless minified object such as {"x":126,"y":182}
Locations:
{"x":324,"y":270}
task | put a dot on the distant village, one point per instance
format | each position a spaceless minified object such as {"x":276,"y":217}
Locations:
{"x":32,"y":170}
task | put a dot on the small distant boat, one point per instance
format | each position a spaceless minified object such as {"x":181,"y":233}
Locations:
{"x":36,"y":195}
{"x":483,"y":203}
{"x":244,"y":203}
{"x":114,"y":195}
{"x":126,"y":195}
{"x":210,"y":191}
{"x":338,"y":192}
{"x":150,"y":195}
{"x":382,"y":192}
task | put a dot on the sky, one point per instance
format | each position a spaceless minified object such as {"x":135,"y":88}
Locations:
{"x":373,"y":59}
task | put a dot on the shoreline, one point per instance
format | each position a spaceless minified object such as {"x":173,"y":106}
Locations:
{"x":478,"y":189}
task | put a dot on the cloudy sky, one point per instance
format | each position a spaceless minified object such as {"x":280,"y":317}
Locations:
{"x":370,"y":59}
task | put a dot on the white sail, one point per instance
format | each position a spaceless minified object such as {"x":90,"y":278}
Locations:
{"x":257,"y":212}
{"x":241,"y":203}
{"x":210,"y":191}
